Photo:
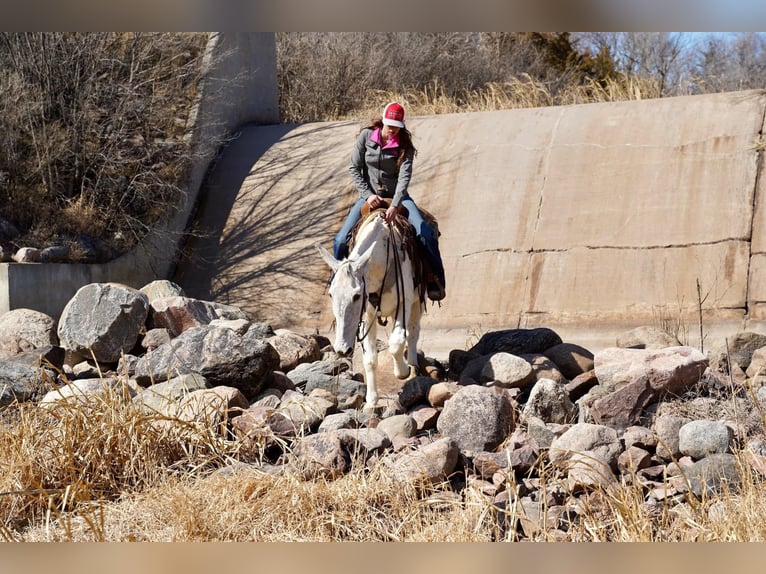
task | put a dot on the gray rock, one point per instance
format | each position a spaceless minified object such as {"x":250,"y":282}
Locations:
{"x":430,"y":463}
{"x":321,"y":456}
{"x":294,"y":349}
{"x":398,"y":426}
{"x":549,"y":401}
{"x":477,"y":418}
{"x":506,"y":370}
{"x":160,"y":289}
{"x":21,"y":382}
{"x":667,"y":427}
{"x":672,"y":370}
{"x":738,"y":349}
{"x":24,"y":330}
{"x":163,"y":398}
{"x":220,"y":355}
{"x":103,"y":318}
{"x":586,"y":438}
{"x":89,"y":391}
{"x":714,"y":474}
{"x":647,"y":337}
{"x":702,"y":438}
{"x":301,"y":373}
{"x":336,"y":421}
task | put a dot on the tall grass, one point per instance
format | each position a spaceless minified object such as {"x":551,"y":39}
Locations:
{"x":108,"y":471}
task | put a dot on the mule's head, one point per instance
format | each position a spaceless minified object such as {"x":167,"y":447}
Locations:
{"x":348,"y":294}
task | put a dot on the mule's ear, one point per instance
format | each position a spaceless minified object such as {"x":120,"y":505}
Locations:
{"x":363,"y":258}
{"x":329,"y":259}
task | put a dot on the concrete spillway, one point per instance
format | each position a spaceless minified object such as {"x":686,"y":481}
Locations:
{"x":588,"y":219}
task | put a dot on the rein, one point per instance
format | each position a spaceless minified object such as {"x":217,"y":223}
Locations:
{"x":399,"y":281}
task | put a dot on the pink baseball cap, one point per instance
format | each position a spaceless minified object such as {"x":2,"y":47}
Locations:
{"x":393,"y":115}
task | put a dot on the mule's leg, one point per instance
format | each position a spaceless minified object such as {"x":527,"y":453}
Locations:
{"x":413,"y":334}
{"x":370,"y":360}
{"x":396,"y":343}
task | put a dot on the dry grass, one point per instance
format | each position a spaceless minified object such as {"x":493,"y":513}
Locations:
{"x":110,"y":472}
{"x":520,"y":92}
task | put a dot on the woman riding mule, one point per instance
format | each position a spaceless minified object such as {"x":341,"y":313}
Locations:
{"x":381,"y":167}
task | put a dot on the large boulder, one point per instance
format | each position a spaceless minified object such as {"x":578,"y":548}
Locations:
{"x":103,"y":318}
{"x":517,"y":341}
{"x":671,"y":370}
{"x":220,"y":355}
{"x":477,"y":418}
{"x":24,"y":330}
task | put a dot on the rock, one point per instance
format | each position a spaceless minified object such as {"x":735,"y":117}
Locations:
{"x":429,"y":463}
{"x":712,"y":474}
{"x":178,"y":314}
{"x":702,"y":438}
{"x":398,"y":426}
{"x":104,"y":319}
{"x":572,"y":360}
{"x":54,"y":254}
{"x":647,"y":337}
{"x":504,"y":369}
{"x":321,"y":456}
{"x":294,"y":349}
{"x":363,"y":442}
{"x":586,"y":438}
{"x":633,"y":459}
{"x":589,"y":470}
{"x":477,"y":418}
{"x":415,"y":391}
{"x":738,"y":349}
{"x":549,"y":401}
{"x":155,"y":338}
{"x":305,"y":413}
{"x":640,"y":437}
{"x":24,"y":330}
{"x":89,"y":392}
{"x":667,"y":428}
{"x":624,"y":406}
{"x":425,"y":417}
{"x":544,"y":368}
{"x":301,"y":373}
{"x":516,"y":341}
{"x":163,"y":398}
{"x":581,"y":384}
{"x":220,"y":355}
{"x":671,"y":370}
{"x":341,"y":385}
{"x":212,"y":407}
{"x":336,"y":421}
{"x":161,"y":289}
{"x":21,"y":382}
{"x":440,"y":393}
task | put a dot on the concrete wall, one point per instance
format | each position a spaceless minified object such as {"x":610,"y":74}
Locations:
{"x":239,"y":85}
{"x":590,"y":219}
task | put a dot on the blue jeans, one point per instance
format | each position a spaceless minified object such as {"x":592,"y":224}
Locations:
{"x":424,"y":232}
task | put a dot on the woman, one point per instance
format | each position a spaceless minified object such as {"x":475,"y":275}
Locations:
{"x":381,"y":167}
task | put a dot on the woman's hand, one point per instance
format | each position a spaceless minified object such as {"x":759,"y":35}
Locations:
{"x":391,"y":213}
{"x":374,"y":201}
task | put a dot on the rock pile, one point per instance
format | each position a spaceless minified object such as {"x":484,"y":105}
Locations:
{"x":535,"y":423}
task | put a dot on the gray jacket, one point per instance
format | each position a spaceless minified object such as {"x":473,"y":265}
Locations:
{"x":374,"y":169}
